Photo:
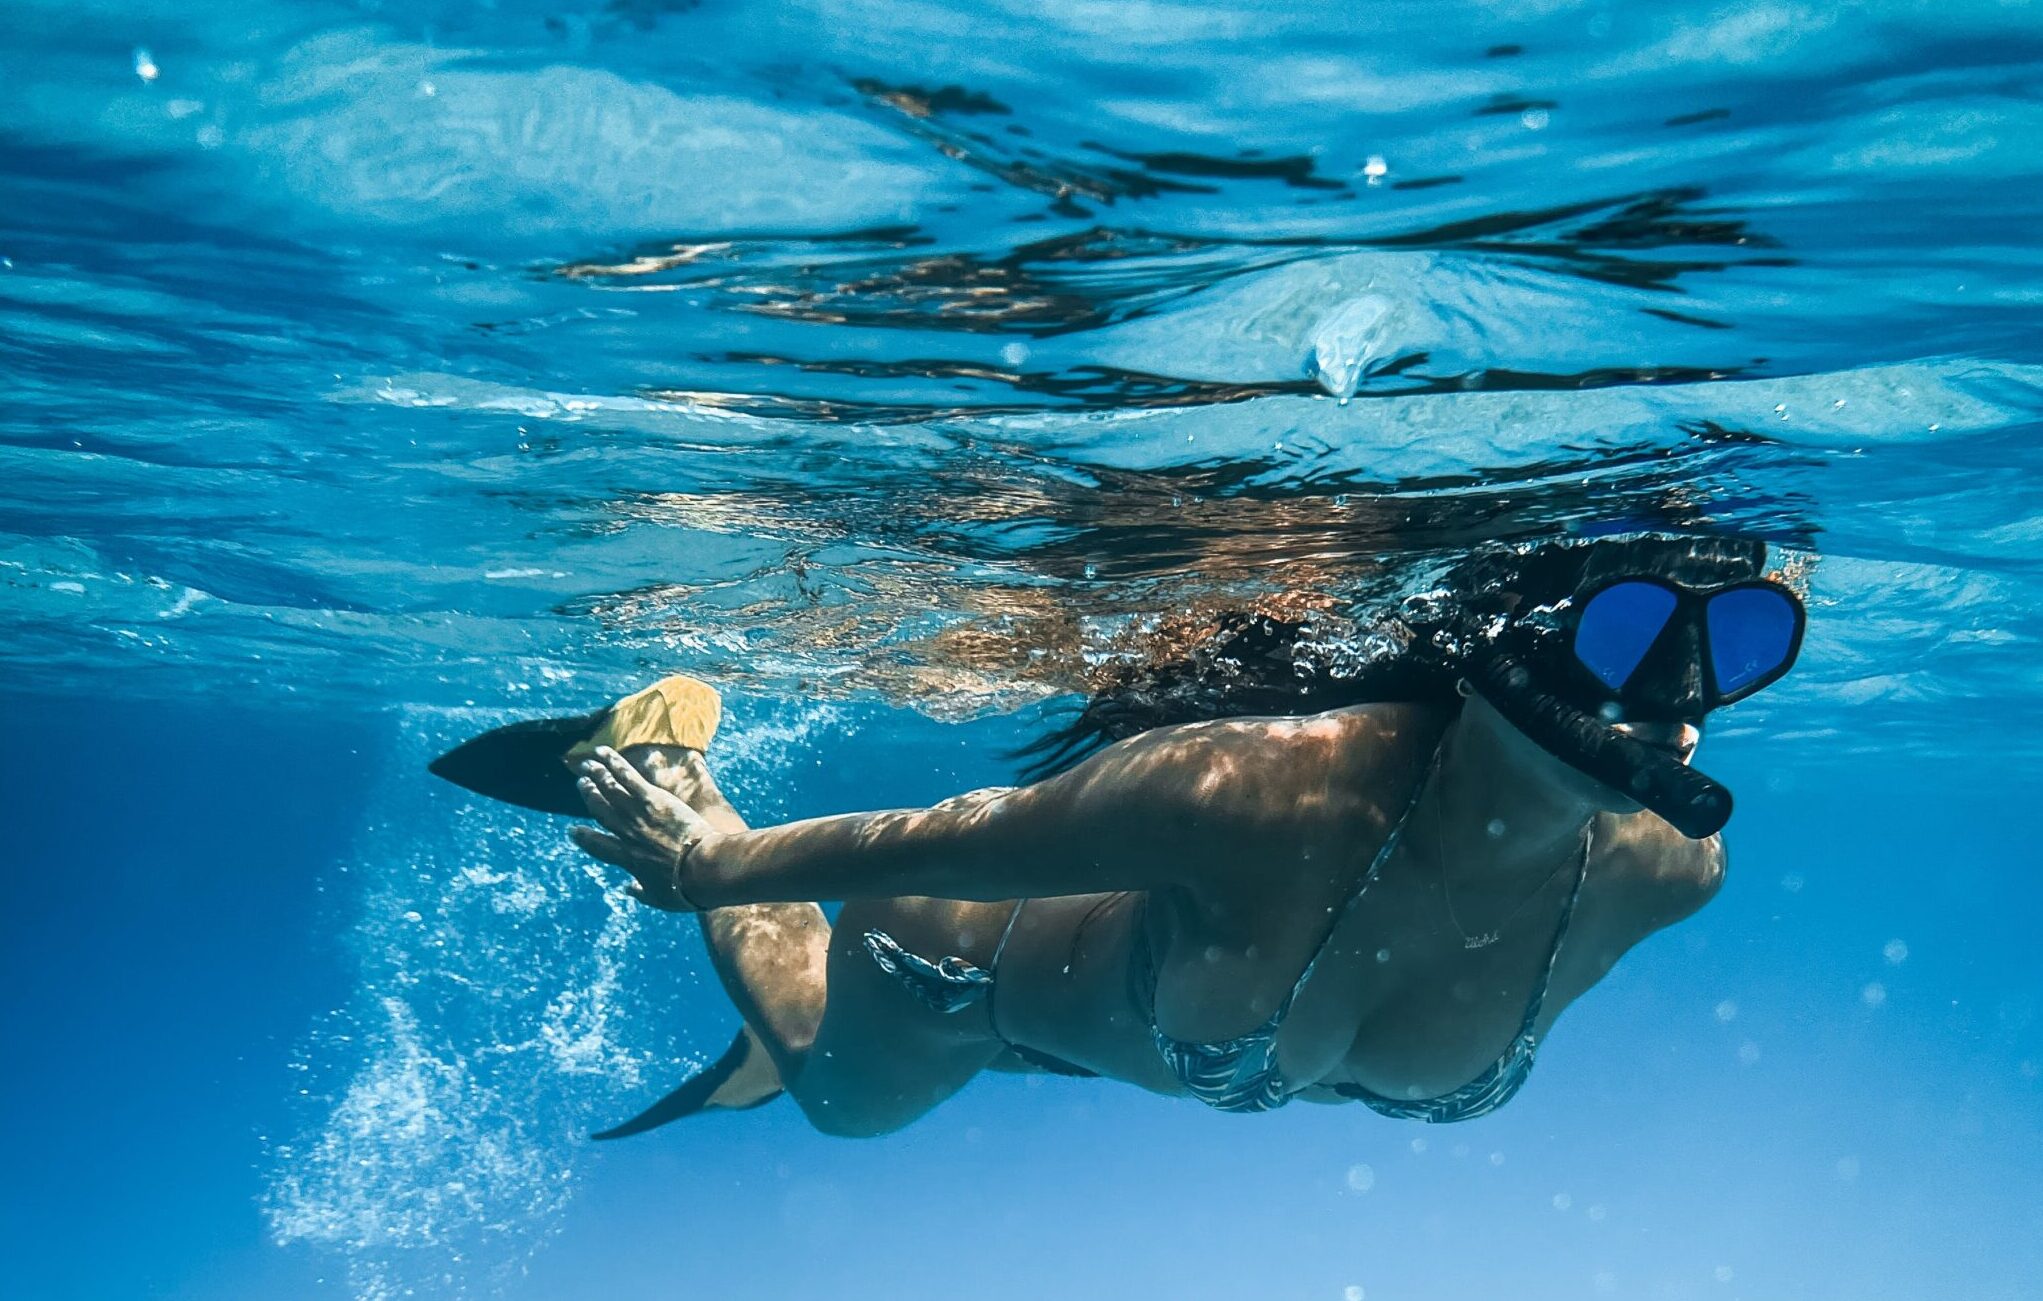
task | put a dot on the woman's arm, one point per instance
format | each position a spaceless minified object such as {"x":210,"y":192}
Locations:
{"x":1167,"y":807}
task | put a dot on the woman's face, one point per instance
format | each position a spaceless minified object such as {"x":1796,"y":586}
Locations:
{"x":1662,"y":637}
{"x":1672,"y":630}
{"x":1604,"y":689}
{"x":1677,"y":739}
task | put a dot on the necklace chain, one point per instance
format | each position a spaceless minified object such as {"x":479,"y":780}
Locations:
{"x":1484,"y":939}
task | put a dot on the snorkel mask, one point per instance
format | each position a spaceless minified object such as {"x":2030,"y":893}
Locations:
{"x":1653,"y":631}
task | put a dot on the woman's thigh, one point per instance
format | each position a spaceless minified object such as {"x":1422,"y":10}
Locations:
{"x":881,"y":1058}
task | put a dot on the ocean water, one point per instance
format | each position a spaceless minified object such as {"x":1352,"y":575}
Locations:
{"x":375,"y":373}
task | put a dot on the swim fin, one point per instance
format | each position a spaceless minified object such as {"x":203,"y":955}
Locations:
{"x":530,"y":764}
{"x":741,"y":1079}
{"x":522,"y":763}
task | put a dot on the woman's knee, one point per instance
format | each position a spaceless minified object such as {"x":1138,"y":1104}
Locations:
{"x":842,"y":1117}
{"x":872,"y":1083}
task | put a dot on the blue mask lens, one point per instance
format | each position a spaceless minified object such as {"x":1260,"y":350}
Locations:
{"x":1752,"y":631}
{"x":1618,"y":626}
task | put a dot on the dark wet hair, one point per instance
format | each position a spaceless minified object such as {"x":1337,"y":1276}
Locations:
{"x":1256,"y":663}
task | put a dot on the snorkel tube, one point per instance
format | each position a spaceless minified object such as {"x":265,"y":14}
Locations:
{"x":1687,"y":800}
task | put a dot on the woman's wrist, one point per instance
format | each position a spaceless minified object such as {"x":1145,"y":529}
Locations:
{"x":695,"y":873}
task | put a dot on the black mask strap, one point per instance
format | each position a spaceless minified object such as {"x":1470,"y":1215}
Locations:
{"x":1692,"y":803}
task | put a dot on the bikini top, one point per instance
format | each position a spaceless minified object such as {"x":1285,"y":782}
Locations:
{"x":1241,"y":1074}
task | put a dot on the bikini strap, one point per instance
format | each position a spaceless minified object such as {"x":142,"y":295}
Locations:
{"x":947,"y":985}
{"x":993,"y":963}
{"x":1553,"y":953}
{"x":1376,"y":865}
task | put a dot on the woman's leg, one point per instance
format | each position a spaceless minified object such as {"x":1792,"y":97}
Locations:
{"x":771,"y":957}
{"x":855,"y":1050}
{"x":881,"y":1058}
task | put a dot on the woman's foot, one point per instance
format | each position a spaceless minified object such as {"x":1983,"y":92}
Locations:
{"x":685,"y":774}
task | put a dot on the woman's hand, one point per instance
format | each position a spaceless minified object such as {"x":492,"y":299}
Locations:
{"x":654,"y":833}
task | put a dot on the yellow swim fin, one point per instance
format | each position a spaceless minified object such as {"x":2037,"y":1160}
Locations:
{"x":680,"y":710}
{"x":530,"y":763}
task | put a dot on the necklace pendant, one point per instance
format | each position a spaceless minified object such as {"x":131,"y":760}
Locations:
{"x":1483,"y":941}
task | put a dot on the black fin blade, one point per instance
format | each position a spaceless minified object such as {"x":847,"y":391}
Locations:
{"x":690,"y":1098}
{"x":520,"y":764}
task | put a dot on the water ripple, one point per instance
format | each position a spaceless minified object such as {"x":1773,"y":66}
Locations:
{"x":872,"y":355}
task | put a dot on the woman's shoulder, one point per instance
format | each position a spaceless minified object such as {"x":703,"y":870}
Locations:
{"x":1382,"y":748}
{"x":1295,"y":771}
{"x":1668,"y":874}
{"x":1359,"y":761}
{"x":1376,"y":730}
{"x":1392,"y":722}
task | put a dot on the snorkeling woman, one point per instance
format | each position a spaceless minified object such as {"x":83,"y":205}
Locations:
{"x":1247,"y":876}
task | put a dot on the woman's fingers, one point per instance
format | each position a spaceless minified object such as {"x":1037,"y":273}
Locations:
{"x":652,"y":877}
{"x":641,"y":809}
{"x":597,"y":845}
{"x":624,"y":771}
{"x":622,"y":811}
{"x":651,"y":829}
{"x":609,"y":787}
{"x":617,"y":853}
{"x":602,"y":808}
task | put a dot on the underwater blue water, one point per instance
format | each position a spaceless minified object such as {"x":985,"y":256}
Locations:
{"x":376,"y":373}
